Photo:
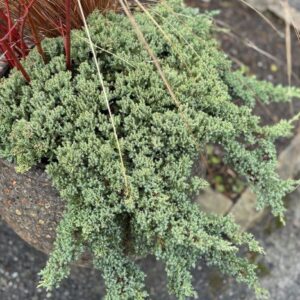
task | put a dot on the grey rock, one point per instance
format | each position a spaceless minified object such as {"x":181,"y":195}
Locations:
{"x":214,"y":202}
{"x":245,"y":212}
{"x":290,"y":15}
{"x":261,"y":5}
{"x":295,"y":4}
{"x":289,"y":159}
{"x":282,"y":252}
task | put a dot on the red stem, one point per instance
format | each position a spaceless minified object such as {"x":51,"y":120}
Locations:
{"x":36,"y":39}
{"x":23,"y":46}
{"x":8,"y":19}
{"x":12,"y":37}
{"x":21,"y":19}
{"x":68,"y":34}
{"x":10,"y":53}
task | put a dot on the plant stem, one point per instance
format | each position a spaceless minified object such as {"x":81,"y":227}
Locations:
{"x":68,"y":34}
{"x":13,"y":57}
{"x":36,"y":38}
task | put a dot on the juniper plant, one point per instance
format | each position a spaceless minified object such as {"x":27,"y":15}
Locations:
{"x":61,"y":117}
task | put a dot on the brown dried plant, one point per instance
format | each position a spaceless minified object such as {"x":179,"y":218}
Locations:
{"x":27,"y":22}
{"x":48,"y":17}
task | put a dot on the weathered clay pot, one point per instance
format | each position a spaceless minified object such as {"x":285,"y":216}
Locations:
{"x":31,"y":206}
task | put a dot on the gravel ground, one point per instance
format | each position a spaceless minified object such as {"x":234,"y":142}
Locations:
{"x":19,"y":267}
{"x":280,"y":269}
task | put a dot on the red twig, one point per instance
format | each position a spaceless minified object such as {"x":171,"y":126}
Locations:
{"x":8,"y":19}
{"x":12,"y":41}
{"x":10,"y":53}
{"x":21,"y":20}
{"x":36,"y":38}
{"x":68,"y":33}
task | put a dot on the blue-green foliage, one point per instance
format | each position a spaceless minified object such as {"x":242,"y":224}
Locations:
{"x":62,"y":117}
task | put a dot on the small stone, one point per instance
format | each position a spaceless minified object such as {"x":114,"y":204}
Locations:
{"x":260,"y":64}
{"x":3,"y":283}
{"x":245,"y":212}
{"x":287,"y":10}
{"x":14,"y":275}
{"x":48,"y":295}
{"x":261,"y":5}
{"x":42,"y":222}
{"x":289,"y":159}
{"x":234,"y":51}
{"x":214,"y":202}
{"x":48,"y":236}
{"x":18,"y":212}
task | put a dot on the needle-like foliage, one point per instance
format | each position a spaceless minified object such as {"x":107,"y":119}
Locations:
{"x":62,"y":117}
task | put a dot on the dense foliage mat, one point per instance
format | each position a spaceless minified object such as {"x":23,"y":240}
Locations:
{"x":61,"y":119}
